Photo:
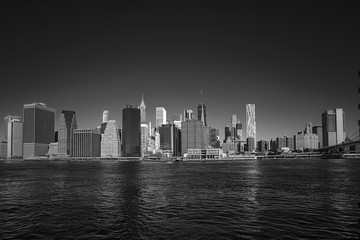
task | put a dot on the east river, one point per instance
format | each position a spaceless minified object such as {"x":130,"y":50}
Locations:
{"x":250,"y":199}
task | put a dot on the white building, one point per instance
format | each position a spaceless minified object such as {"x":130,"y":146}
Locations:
{"x":160,"y":116}
{"x":144,"y":135}
{"x":110,"y":140}
{"x":250,"y":122}
{"x":333,"y":126}
{"x":15,"y":139}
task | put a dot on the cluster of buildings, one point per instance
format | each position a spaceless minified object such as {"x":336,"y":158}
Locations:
{"x":34,"y":135}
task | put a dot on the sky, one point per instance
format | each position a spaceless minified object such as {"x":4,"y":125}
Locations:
{"x":292,"y":60}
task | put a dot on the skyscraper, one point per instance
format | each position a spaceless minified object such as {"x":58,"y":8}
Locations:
{"x":86,"y":143}
{"x":170,"y":139}
{"x":15,"y":139}
{"x":250,"y":123}
{"x":8,"y":119}
{"x":233,"y":127}
{"x":131,"y":131}
{"x":333,"y":126}
{"x":105,"y":115}
{"x":67,"y":125}
{"x":188,"y":114}
{"x":142,"y":109}
{"x":38,"y":129}
{"x":110,"y":140}
{"x":160,"y":116}
{"x":202,"y":112}
{"x":227,"y":136}
{"x":194,"y":135}
{"x":144,"y":137}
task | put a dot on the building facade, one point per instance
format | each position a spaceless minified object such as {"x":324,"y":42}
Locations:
{"x":188,"y":114}
{"x":318,"y":131}
{"x":15,"y":139}
{"x":8,"y":119}
{"x":86,"y":143}
{"x":67,"y":125}
{"x":194,"y":135}
{"x":333,"y":126}
{"x":250,"y":121}
{"x":170,"y":139}
{"x":131,"y":135}
{"x":38,"y":129}
{"x":144,"y":131}
{"x":142,"y":109}
{"x":110,"y":141}
{"x":160,"y":116}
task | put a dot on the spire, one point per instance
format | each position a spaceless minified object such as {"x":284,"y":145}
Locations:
{"x":201,"y":96}
{"x":142,"y":97}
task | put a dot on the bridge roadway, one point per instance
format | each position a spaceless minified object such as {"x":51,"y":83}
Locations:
{"x":345,"y":147}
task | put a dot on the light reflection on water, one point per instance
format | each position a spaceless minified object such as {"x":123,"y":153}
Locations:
{"x":261,"y":199}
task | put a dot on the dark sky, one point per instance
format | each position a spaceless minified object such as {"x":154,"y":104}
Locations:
{"x":293,"y":60}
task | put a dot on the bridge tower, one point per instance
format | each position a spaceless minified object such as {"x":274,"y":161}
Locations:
{"x":359,"y":105}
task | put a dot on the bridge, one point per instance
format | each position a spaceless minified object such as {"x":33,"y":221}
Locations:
{"x":350,"y":145}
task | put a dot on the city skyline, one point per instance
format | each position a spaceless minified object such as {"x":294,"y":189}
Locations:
{"x":293,"y":61}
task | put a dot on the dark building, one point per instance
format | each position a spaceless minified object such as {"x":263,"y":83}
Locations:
{"x":38,"y":129}
{"x":67,"y":125}
{"x":227,"y":133}
{"x":194,"y":135}
{"x":214,"y":138}
{"x":56,"y":136}
{"x":131,"y":134}
{"x":170,"y":139}
{"x":86,"y":143}
{"x":318,"y":131}
{"x":251,"y":144}
{"x":202,"y":113}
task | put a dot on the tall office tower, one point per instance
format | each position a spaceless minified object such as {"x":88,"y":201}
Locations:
{"x":38,"y":129}
{"x":333,"y":123}
{"x":131,"y":133}
{"x":188,"y":114}
{"x":194,"y":135}
{"x":214,"y":138}
{"x":105,"y":115}
{"x":233,"y":126}
{"x":239,"y":134}
{"x":144,"y":130}
{"x":250,"y":122}
{"x":142,"y":109}
{"x":15,"y":139}
{"x":160,"y":116}
{"x":110,"y":140}
{"x":318,"y":131}
{"x":227,"y":134}
{"x":202,"y":112}
{"x":67,"y":125}
{"x":308,"y":128}
{"x":251,"y":144}
{"x":170,"y":139}
{"x":7,"y":120}
{"x":86,"y":143}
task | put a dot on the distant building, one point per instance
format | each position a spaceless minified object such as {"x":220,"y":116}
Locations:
{"x":38,"y":129}
{"x":188,"y":115}
{"x":144,"y":135}
{"x":214,"y":138}
{"x":3,"y":149}
{"x":290,"y":143}
{"x":8,"y":119}
{"x":202,"y":111}
{"x":170,"y":139}
{"x":318,"y":131}
{"x":233,"y":127}
{"x":333,"y":125}
{"x":227,"y":136}
{"x":110,"y":141}
{"x":281,"y":142}
{"x":230,"y":148}
{"x":53,"y":150}
{"x":86,"y":143}
{"x":142,"y":109}
{"x":306,"y":140}
{"x":15,"y":139}
{"x":131,"y":133}
{"x":194,"y":135}
{"x":239,"y":134}
{"x":67,"y":125}
{"x":105,"y":116}
{"x":250,"y":122}
{"x":263,"y":146}
{"x":177,"y":117}
{"x":160,"y":116}
{"x":251,"y":144}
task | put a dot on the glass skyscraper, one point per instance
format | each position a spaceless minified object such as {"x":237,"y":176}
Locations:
{"x":131,"y":131}
{"x":38,"y":129}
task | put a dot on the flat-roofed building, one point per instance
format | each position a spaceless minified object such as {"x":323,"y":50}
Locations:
{"x":86,"y":143}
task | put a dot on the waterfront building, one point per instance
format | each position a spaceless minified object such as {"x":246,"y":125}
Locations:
{"x":227,"y":136}
{"x":306,"y":140}
{"x":333,"y":126}
{"x":15,"y":139}
{"x":170,"y":139}
{"x":214,"y":138}
{"x":194,"y":135}
{"x":142,"y":109}
{"x":209,"y":153}
{"x":7,"y":120}
{"x":263,"y":146}
{"x":53,"y":150}
{"x":144,"y":132}
{"x":86,"y":143}
{"x":131,"y":133}
{"x":110,"y":140}
{"x":188,"y":114}
{"x":67,"y":125}
{"x":290,"y":143}
{"x":251,"y":144}
{"x":160,"y":116}
{"x":250,"y":121}
{"x":38,"y":129}
{"x":318,"y":131}
{"x":230,"y":148}
{"x":3,"y":149}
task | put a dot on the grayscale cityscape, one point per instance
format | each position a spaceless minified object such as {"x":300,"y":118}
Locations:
{"x":180,"y":120}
